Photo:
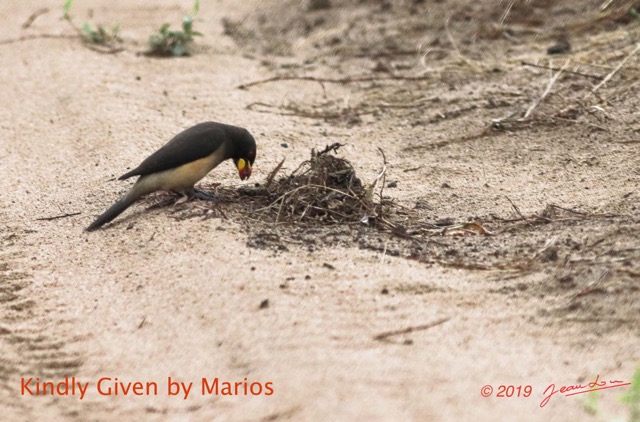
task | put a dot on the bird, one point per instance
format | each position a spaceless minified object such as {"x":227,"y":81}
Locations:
{"x":183,"y":161}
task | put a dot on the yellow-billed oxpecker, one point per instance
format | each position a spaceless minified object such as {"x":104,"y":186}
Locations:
{"x":183,"y":161}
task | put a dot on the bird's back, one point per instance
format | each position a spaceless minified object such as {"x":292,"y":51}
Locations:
{"x":189,"y":145}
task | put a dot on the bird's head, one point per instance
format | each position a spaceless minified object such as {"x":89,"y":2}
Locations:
{"x":244,"y":154}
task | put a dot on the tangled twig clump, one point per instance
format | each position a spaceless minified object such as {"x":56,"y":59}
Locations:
{"x":324,"y":189}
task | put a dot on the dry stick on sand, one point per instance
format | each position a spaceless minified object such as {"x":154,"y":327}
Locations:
{"x":273,"y":174}
{"x":58,"y":216}
{"x":546,"y":92}
{"x":294,"y":111}
{"x":34,"y":16}
{"x":384,"y":172}
{"x":573,"y":72}
{"x":347,"y":80}
{"x":35,"y":37}
{"x":369,"y":194}
{"x":333,"y":147}
{"x":614,"y":71}
{"x":516,"y":209}
{"x":110,"y":50}
{"x":568,"y":210}
{"x":385,"y":336}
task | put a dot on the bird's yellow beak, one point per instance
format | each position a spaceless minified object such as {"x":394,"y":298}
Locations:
{"x":244,"y":169}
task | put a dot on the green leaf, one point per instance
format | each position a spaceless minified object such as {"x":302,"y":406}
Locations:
{"x":175,"y":43}
{"x":196,"y":8}
{"x":179,"y":49}
{"x":187,"y":24}
{"x":632,"y":397}
{"x":590,"y":403}
{"x":173,"y":35}
{"x":155,"y":41}
{"x":67,"y":7}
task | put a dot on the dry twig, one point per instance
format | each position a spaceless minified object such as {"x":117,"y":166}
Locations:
{"x":347,"y":80}
{"x":614,"y":71}
{"x":385,"y":336}
{"x":556,"y":69}
{"x":58,"y":216}
{"x":273,"y":173}
{"x":546,"y":92}
{"x":34,"y":16}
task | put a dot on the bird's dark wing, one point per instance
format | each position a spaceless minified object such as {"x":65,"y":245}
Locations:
{"x":190,"y":145}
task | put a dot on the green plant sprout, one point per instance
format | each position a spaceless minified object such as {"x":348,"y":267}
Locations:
{"x":98,"y":35}
{"x":175,"y":43}
{"x":66,"y":8}
{"x":590,"y":403}
{"x":631,"y":400}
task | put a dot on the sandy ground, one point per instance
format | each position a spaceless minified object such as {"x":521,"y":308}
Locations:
{"x":543,"y":301}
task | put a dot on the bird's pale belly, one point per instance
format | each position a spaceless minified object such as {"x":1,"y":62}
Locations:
{"x":180,"y":178}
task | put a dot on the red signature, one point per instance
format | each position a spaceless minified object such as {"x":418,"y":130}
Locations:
{"x":571,"y":390}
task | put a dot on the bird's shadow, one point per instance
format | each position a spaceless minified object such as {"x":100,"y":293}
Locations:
{"x":161,"y":201}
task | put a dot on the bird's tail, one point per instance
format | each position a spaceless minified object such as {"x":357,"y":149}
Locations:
{"x":115,"y":210}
